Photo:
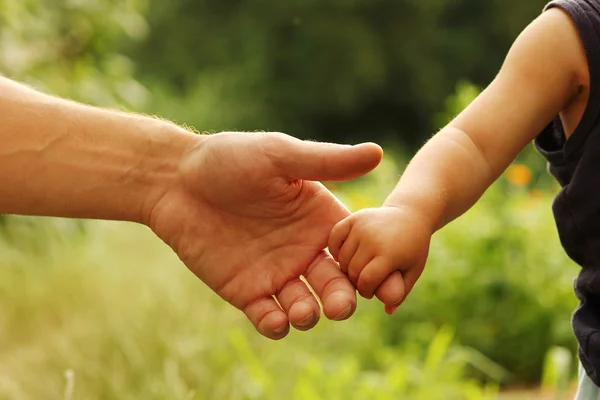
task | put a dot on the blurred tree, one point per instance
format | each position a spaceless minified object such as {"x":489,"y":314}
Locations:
{"x":342,"y":70}
{"x":71,"y":48}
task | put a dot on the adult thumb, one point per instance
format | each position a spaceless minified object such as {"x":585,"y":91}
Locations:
{"x":317,"y":161}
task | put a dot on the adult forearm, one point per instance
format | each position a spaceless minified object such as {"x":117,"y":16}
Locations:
{"x":60,"y":158}
{"x":444,"y":179}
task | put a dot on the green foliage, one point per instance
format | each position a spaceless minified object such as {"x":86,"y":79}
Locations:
{"x":116,"y":315}
{"x":557,"y":370}
{"x":341,"y":71}
{"x":72,"y":48}
{"x":333,"y":70}
{"x":498,"y":275}
{"x":464,"y":93}
{"x":113,"y":315}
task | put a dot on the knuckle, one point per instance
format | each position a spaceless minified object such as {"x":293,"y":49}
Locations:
{"x":305,"y":298}
{"x":345,"y":256}
{"x":275,"y":145}
{"x":391,"y":262}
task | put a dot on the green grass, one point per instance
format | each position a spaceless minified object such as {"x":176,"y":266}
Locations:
{"x":113,"y":314}
{"x":116,"y":315}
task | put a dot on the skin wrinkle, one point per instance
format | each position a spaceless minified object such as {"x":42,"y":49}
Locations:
{"x":441,"y":200}
{"x":314,"y":265}
{"x":132,"y":173}
{"x":488,"y":173}
{"x":273,"y":277}
{"x":359,"y":277}
{"x":353,"y":274}
{"x":265,"y":315}
{"x":302,"y":296}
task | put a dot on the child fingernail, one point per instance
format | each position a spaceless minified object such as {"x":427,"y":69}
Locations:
{"x":399,"y":302}
{"x":392,"y":309}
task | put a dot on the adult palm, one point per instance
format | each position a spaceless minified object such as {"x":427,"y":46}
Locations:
{"x":249,"y":218}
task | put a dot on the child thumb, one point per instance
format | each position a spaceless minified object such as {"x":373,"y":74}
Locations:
{"x":392,"y":291}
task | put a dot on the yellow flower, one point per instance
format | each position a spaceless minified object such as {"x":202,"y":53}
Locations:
{"x":518,"y":175}
{"x":536,"y":194}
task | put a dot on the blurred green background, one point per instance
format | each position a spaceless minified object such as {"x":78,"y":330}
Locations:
{"x":95,"y":310}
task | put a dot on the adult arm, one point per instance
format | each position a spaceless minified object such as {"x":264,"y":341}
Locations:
{"x":242,"y":210}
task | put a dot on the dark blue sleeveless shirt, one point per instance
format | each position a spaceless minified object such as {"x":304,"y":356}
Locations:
{"x":575,"y":162}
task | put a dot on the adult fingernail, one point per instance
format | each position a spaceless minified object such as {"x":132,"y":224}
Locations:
{"x":281,"y":329}
{"x":342,"y":315}
{"x":307,"y":320}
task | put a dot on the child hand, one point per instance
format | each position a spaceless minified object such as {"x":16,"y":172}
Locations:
{"x":383,"y":251}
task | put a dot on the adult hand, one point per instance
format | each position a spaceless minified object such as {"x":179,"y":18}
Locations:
{"x":242,"y":210}
{"x":247,"y":216}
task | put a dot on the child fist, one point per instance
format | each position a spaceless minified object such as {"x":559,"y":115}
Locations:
{"x":383,"y":251}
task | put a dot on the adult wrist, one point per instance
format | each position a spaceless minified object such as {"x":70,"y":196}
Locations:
{"x":159,"y":170}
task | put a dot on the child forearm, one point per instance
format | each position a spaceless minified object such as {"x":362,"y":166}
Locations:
{"x":543,"y":74}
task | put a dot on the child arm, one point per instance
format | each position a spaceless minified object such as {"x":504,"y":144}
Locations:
{"x":544,"y":71}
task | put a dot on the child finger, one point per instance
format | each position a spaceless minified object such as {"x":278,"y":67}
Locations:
{"x":392,"y":291}
{"x":361,"y":258}
{"x":338,"y":236}
{"x":372,"y":276}
{"x":348,"y":250}
{"x":411,"y":276}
